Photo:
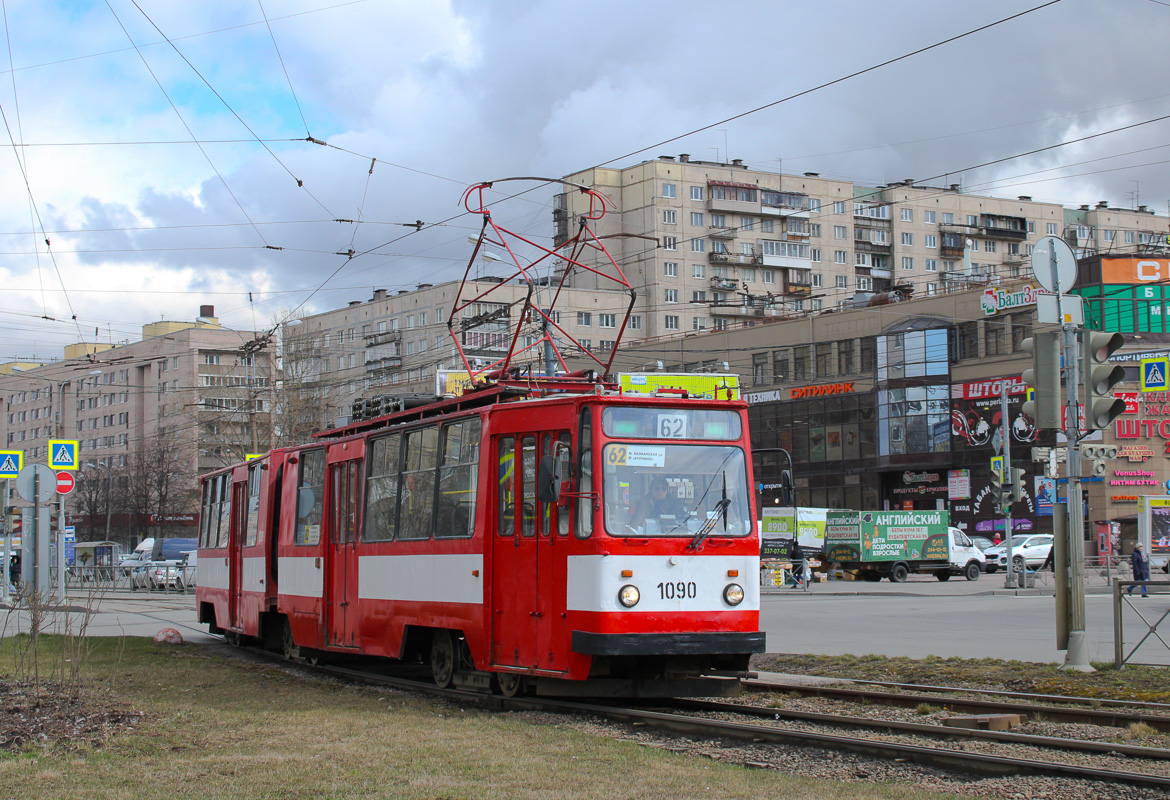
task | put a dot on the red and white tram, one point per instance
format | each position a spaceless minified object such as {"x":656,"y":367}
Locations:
{"x":558,"y":537}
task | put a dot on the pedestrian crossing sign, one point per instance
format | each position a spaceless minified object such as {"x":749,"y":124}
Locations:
{"x":1155,"y":373}
{"x":10,"y":463}
{"x":62,"y":454}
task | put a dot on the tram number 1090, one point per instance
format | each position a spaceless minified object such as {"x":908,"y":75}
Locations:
{"x":678,"y":590}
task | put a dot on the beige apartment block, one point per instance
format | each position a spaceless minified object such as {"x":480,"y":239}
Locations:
{"x":393,"y":344}
{"x":713,"y":246}
{"x":190,"y":395}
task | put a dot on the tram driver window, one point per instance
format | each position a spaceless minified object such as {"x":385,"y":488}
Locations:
{"x":252,"y":526}
{"x":416,"y":504}
{"x":584,"y":501}
{"x":225,"y":509}
{"x":310,"y":497}
{"x":457,"y":479}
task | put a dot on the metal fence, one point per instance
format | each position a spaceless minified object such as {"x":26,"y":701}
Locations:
{"x":170,"y":579}
{"x":1151,"y":618}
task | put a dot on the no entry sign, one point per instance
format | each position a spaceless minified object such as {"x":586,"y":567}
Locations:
{"x":65,"y":482}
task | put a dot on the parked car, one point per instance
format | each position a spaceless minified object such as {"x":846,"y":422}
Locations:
{"x":982,"y":542}
{"x":174,"y":574}
{"x":1029,"y":550}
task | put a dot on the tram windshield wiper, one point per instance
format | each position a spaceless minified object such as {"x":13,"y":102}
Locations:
{"x":708,"y":526}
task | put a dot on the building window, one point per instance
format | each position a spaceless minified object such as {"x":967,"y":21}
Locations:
{"x":908,"y":238}
{"x":670,"y":269}
{"x":928,"y":217}
{"x":669,"y":217}
{"x":931,"y":241}
{"x":968,"y":340}
{"x":697,"y":218}
{"x":931,"y":288}
{"x":746,"y":223}
{"x":699,"y":245}
{"x":907,"y":215}
{"x":671,"y":295}
{"x":748,"y":274}
{"x":584,"y":318}
{"x":972,"y":221}
{"x":669,"y":190}
{"x":1021,"y":330}
{"x":840,"y":257}
{"x":697,"y":193}
{"x":840,"y":231}
{"x":698,"y":270}
{"x":864,"y":283}
{"x":989,"y":246}
{"x":908,"y":263}
{"x":932,"y":265}
{"x":767,"y":226}
{"x":994,"y":337}
{"x":816,"y":280}
{"x":842,"y":281}
{"x":769,"y":276}
{"x":948,"y":218}
{"x":698,"y":297}
{"x":839,"y":207}
{"x":800,"y":362}
{"x":814,"y":254}
{"x":607,"y":320}
{"x":845,"y":357}
{"x":636,"y":322}
{"x":671,"y":322}
{"x":669,"y":242}
{"x":699,"y":323}
{"x":211,"y":358}
{"x":824,"y":356}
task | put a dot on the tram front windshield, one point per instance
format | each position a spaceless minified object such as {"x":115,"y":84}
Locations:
{"x":675,"y":490}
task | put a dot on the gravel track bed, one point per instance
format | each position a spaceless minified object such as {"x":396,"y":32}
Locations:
{"x":831,"y":765}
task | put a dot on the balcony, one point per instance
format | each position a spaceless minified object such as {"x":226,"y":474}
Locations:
{"x":382,"y":337}
{"x":381,"y":364}
{"x":999,"y":226}
{"x":866,"y":246}
{"x":722,"y":231}
{"x":878,"y":272}
{"x":724,"y":284}
{"x":735,"y":258}
{"x":738,"y":198}
{"x":741,"y":311}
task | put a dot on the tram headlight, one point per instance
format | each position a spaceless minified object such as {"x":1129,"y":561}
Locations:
{"x":733,"y":594}
{"x":629,"y":596}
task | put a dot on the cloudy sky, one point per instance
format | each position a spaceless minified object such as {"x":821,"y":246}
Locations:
{"x":160,"y":145}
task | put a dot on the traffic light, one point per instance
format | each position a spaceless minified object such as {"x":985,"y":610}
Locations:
{"x":1100,"y":376}
{"x":1098,"y":457}
{"x":1044,"y":378}
{"x":1016,"y":485}
{"x":1001,"y":491}
{"x":12,"y":520}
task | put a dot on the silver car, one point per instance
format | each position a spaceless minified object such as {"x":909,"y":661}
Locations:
{"x":1026,"y":550}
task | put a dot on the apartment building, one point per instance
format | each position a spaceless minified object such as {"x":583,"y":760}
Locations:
{"x":187,"y":398}
{"x":710,"y":246}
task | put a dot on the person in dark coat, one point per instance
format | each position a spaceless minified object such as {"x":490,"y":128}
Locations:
{"x":1141,"y":569}
{"x":1050,"y":559}
{"x":797,"y":557}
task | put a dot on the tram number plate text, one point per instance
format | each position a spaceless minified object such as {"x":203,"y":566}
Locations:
{"x":672,"y":426}
{"x":678,"y":590}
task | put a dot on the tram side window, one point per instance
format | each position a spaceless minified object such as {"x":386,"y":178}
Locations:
{"x":381,"y":515}
{"x":205,"y":512}
{"x":225,"y":509}
{"x":565,"y":466}
{"x":457,"y":479}
{"x":417,"y":499}
{"x":584,"y":503}
{"x":506,"y":505}
{"x":310,"y":497}
{"x":251,"y":526}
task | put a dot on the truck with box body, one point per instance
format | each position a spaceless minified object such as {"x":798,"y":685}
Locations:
{"x":893,"y":544}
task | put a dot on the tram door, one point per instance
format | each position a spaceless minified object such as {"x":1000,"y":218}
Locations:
{"x":524,"y":563}
{"x":235,"y":556}
{"x":342,"y":593}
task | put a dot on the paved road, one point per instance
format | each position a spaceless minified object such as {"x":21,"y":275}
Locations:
{"x":979,"y":619}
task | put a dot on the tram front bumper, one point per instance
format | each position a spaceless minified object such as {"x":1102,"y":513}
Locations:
{"x":664,"y":644}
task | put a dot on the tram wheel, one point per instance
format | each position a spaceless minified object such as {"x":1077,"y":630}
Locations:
{"x":287,"y":645}
{"x":443,"y":658}
{"x":511,"y":684}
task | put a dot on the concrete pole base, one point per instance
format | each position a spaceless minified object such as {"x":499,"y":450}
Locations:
{"x":1076,"y":658}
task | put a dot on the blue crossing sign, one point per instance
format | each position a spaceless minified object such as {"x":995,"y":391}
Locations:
{"x":10,"y":463}
{"x":1156,"y":374}
{"x":63,"y":454}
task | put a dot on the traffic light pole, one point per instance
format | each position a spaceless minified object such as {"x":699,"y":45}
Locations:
{"x":1010,"y":580}
{"x":1076,"y":657}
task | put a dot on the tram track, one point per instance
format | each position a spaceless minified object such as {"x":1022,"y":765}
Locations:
{"x":1048,"y":706}
{"x":731,"y":725}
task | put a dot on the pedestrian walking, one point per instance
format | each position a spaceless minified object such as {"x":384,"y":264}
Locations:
{"x":1050,"y":559}
{"x":796,"y":555}
{"x":1141,"y":569}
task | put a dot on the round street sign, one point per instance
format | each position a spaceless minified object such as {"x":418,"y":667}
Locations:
{"x":1050,"y":271}
{"x":65,"y":482}
{"x":45,"y":483}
